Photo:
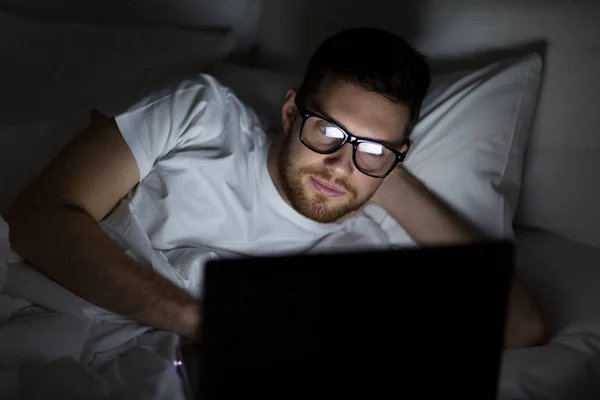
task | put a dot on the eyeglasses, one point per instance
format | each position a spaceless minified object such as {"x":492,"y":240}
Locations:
{"x":325,"y":137}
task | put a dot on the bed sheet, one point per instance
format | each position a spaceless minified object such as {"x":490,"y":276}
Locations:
{"x":564,"y":276}
{"x":45,"y":335}
{"x":54,"y":344}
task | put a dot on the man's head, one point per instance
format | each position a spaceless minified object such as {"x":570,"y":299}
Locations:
{"x":364,"y":83}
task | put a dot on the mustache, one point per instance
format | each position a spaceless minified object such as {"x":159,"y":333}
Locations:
{"x":327,"y":176}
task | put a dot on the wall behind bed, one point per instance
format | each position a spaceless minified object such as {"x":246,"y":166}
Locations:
{"x":61,"y":58}
{"x":561,"y":187}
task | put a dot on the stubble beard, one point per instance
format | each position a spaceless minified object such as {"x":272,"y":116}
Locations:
{"x":317,"y":207}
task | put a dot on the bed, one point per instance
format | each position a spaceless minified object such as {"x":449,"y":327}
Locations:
{"x":50,"y":52}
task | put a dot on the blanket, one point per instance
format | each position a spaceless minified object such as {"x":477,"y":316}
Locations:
{"x":54,"y":344}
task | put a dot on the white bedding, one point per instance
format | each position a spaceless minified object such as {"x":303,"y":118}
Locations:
{"x":54,"y":344}
{"x":564,"y":276}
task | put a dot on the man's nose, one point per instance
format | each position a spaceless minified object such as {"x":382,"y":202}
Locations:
{"x":340,"y":162}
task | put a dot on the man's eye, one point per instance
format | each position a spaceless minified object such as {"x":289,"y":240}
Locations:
{"x":371,"y":149}
{"x":332,"y":132}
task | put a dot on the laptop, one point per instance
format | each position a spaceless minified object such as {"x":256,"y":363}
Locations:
{"x":414,"y":322}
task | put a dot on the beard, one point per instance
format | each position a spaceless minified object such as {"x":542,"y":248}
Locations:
{"x":317,"y":207}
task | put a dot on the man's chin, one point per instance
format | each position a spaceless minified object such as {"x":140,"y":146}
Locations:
{"x":323,"y":211}
{"x":312,"y":204}
{"x":322,"y":218}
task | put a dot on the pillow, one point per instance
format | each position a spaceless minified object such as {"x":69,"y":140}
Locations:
{"x":469,"y":145}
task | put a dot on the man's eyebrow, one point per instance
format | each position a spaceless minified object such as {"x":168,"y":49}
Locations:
{"x":394,"y":145}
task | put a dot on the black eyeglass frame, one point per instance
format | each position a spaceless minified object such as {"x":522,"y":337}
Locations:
{"x":349,"y":138}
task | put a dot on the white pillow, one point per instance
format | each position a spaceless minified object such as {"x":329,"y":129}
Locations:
{"x":469,"y":145}
{"x":470,"y":142}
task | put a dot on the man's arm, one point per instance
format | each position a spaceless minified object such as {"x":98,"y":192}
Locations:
{"x":54,"y":225}
{"x":429,"y":221}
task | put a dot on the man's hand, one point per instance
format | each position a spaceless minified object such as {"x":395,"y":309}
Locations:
{"x":429,"y":221}
{"x":190,"y":322}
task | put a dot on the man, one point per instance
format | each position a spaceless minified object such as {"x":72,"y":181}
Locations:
{"x":190,"y":170}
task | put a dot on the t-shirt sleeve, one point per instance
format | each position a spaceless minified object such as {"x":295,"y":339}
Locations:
{"x":191,"y":111}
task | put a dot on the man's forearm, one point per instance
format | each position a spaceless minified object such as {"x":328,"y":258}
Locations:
{"x":71,"y":248}
{"x":429,"y":221}
{"x":524,"y":324}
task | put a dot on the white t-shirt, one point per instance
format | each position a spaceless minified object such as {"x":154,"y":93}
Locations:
{"x":205,"y":190}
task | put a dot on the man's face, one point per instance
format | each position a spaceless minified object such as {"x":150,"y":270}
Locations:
{"x":328,"y":187}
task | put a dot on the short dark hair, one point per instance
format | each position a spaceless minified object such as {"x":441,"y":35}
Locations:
{"x":377,"y":60}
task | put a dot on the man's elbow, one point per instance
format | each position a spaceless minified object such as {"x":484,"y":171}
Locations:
{"x":525,"y":331}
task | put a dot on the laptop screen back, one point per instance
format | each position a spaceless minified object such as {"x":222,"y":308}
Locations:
{"x":415,"y":322}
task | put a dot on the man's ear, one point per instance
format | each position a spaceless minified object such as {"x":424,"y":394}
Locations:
{"x":289,"y":113}
{"x":405,"y":146}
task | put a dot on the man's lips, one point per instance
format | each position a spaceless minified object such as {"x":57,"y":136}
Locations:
{"x":325,"y":188}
